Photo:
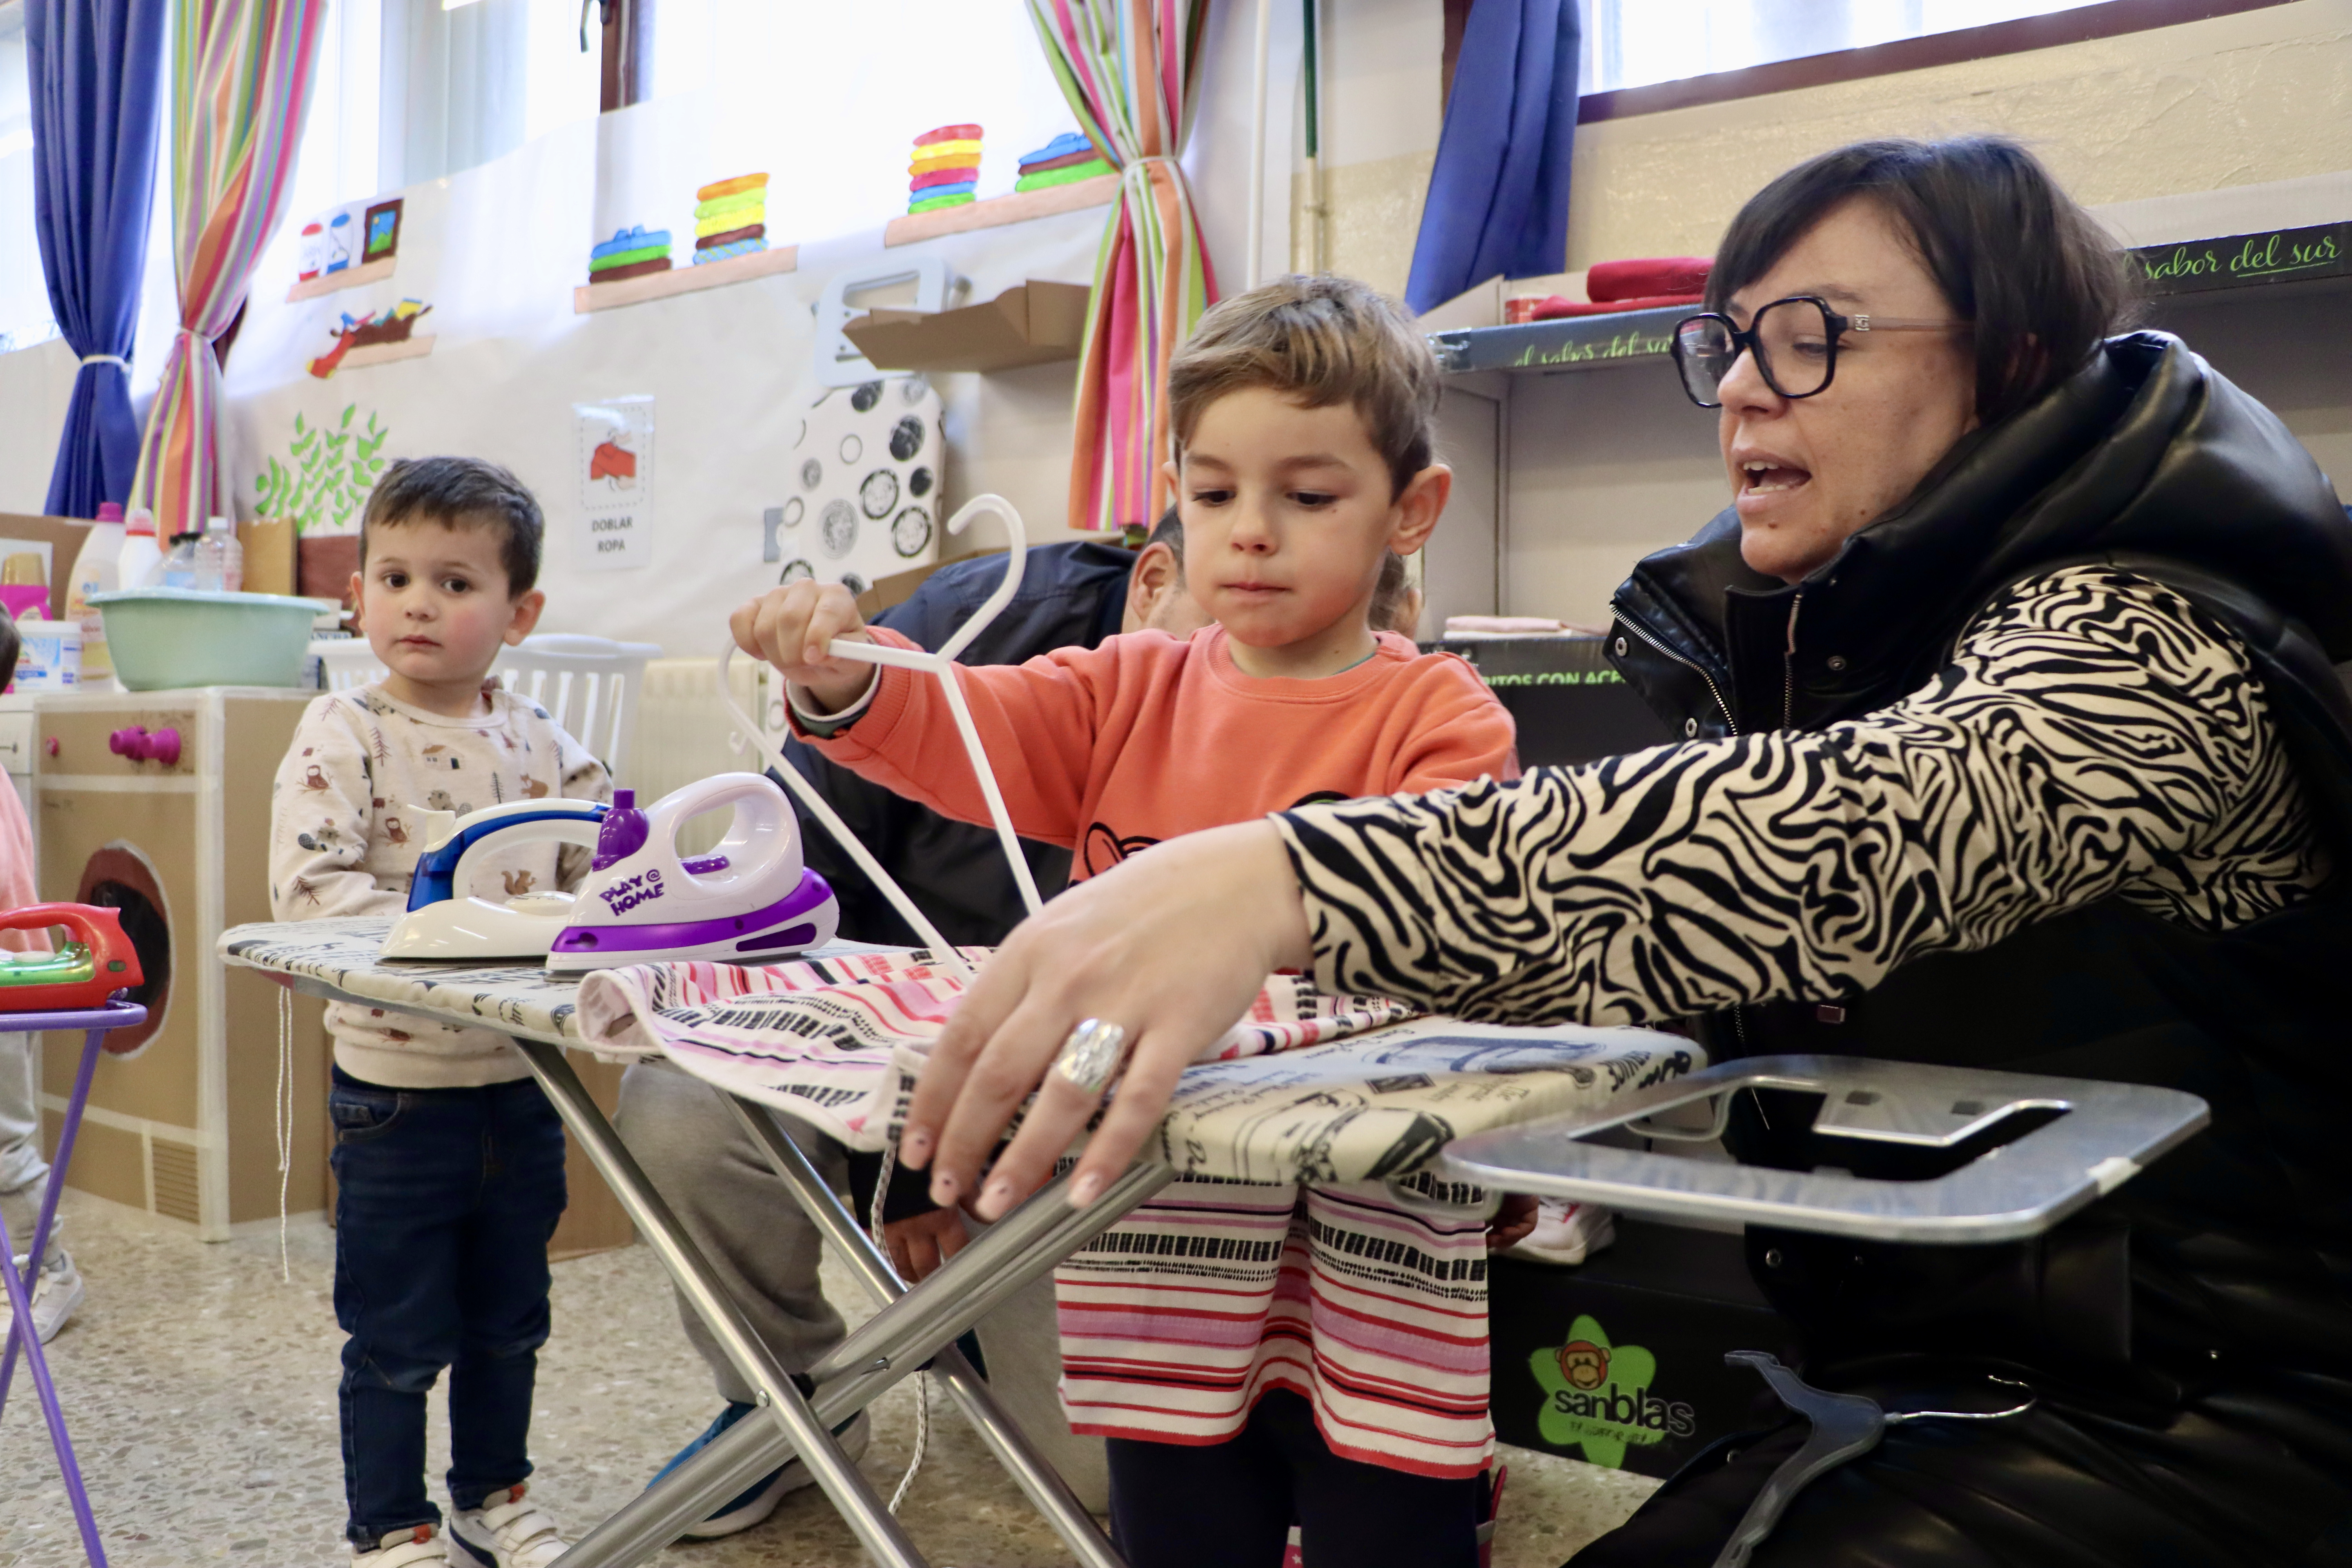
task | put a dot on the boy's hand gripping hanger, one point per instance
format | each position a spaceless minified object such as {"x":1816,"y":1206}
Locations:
{"x":941,"y":666}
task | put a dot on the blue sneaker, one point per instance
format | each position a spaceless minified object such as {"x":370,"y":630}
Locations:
{"x":759,"y":1499}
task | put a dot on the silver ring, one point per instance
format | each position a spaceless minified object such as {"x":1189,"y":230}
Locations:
{"x":1092,"y":1054}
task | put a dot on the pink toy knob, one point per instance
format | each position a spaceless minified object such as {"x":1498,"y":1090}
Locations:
{"x":135,"y":743}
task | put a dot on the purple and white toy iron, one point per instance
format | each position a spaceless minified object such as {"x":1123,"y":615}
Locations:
{"x":749,"y":899}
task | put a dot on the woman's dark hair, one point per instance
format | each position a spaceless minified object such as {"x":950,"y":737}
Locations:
{"x":2042,"y":282}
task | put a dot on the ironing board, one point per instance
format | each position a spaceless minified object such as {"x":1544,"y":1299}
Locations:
{"x":1378,"y":1105}
{"x":95,"y":1023}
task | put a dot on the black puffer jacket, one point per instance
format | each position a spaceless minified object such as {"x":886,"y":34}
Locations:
{"x":2191,"y":1337}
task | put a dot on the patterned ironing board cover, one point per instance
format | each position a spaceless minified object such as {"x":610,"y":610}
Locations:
{"x":1374,"y":1105}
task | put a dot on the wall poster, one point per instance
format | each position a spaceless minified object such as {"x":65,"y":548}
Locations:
{"x":614,"y":465}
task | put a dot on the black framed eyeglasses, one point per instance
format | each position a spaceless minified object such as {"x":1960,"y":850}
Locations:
{"x":1795,"y":342}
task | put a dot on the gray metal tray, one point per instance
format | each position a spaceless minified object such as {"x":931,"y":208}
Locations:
{"x":2107,"y":1135}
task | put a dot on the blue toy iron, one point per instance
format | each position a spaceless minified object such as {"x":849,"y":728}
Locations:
{"x":443,"y":921}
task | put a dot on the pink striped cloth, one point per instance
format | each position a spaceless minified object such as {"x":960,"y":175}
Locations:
{"x":1214,"y":1292}
{"x":837,"y":1041}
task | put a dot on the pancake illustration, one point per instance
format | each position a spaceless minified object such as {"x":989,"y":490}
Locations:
{"x":945,"y":170}
{"x":632,"y":252}
{"x":1066,"y":160}
{"x":730,"y":218}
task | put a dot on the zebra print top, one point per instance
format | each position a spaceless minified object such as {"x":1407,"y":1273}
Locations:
{"x":2093,"y":735}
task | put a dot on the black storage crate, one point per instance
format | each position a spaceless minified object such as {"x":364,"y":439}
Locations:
{"x":1570,"y":705}
{"x":1620,"y":1362}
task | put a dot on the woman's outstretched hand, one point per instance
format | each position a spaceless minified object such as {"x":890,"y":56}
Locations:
{"x":1173,"y":945}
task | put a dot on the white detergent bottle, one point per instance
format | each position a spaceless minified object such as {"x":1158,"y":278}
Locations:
{"x":142,"y":556}
{"x":96,"y":569}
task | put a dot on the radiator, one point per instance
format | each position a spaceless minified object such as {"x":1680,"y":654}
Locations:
{"x":682,"y":733}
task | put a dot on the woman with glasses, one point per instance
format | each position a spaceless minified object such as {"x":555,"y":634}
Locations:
{"x":2012,"y":741}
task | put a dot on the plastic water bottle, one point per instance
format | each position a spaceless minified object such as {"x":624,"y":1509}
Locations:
{"x":219,"y":558}
{"x":179,"y":570}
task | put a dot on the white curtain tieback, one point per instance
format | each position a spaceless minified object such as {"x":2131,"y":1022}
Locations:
{"x":106,"y":359}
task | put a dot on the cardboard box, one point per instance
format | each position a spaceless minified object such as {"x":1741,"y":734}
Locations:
{"x":1620,"y":1363}
{"x":268,"y":545}
{"x":62,"y":535}
{"x":1029,"y":323}
{"x":1570,"y":704}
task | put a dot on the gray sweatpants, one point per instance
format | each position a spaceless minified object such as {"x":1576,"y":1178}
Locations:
{"x":764,"y":1252}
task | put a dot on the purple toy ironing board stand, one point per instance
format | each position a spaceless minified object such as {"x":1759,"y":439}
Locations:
{"x":99,"y":1022}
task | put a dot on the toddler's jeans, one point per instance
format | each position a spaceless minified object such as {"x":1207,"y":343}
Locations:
{"x":445,"y":1202}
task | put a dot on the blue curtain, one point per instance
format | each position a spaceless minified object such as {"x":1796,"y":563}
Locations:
{"x":1498,"y":196}
{"x":97,"y":81}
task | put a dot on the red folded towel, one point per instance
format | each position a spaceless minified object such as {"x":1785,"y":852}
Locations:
{"x":1557,"y":306}
{"x":1639,"y":279}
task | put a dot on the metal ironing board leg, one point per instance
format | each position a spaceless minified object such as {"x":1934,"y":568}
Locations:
{"x":1037,"y":1478}
{"x":894,"y":1343}
{"x":21,"y":1328}
{"x":844,"y":1484}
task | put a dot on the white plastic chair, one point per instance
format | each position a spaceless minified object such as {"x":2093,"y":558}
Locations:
{"x":588,"y":684}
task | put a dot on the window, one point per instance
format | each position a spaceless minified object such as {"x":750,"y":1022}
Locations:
{"x":1634,"y":43}
{"x":24,"y":315}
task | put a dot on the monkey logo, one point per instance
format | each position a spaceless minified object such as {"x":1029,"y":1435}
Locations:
{"x":1584,"y":1364}
{"x":1599,"y":1395}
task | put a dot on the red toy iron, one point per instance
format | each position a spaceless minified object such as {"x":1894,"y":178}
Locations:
{"x":94,"y":964}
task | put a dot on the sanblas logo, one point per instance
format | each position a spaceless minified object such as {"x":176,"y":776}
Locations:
{"x":1597,"y":1396}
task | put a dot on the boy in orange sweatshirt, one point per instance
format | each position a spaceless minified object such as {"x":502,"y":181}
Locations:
{"x":1302,"y":1356}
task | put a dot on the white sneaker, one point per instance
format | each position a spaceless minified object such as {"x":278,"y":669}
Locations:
{"x":1565,"y":1233}
{"x":404,"y":1549}
{"x":57,"y":1292}
{"x":507,"y":1531}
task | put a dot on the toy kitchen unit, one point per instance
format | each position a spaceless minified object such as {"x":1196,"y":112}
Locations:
{"x":157,"y":804}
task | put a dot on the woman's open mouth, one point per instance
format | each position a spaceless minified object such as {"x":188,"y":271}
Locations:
{"x":1764,"y":477}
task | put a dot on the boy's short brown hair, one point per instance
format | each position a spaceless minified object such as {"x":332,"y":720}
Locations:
{"x":1322,"y":340}
{"x":463,"y":492}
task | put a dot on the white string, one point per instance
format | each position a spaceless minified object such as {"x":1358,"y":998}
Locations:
{"x":283,"y":1104}
{"x":106,"y":359}
{"x":922,"y":1379}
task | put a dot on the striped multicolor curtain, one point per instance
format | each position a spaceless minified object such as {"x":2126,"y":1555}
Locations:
{"x":241,"y":82}
{"x":1131,"y":70}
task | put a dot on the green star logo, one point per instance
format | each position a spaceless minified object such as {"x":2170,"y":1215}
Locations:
{"x":1597,"y":1396}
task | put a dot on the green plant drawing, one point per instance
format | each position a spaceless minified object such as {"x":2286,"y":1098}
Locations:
{"x":327,"y":474}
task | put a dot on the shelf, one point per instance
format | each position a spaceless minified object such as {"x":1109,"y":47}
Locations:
{"x":1030,"y":323}
{"x":385,"y":354}
{"x":1573,"y":343}
{"x":1018,"y":207}
{"x":349,"y":278}
{"x":2260,"y":260}
{"x":686,"y":280}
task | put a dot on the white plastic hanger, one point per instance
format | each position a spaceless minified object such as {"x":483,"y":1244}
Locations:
{"x":941,"y":666}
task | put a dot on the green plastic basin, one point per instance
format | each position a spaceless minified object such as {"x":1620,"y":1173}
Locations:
{"x":163,"y":639}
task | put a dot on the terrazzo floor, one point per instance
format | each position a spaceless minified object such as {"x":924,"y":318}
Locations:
{"x":199,"y":1388}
